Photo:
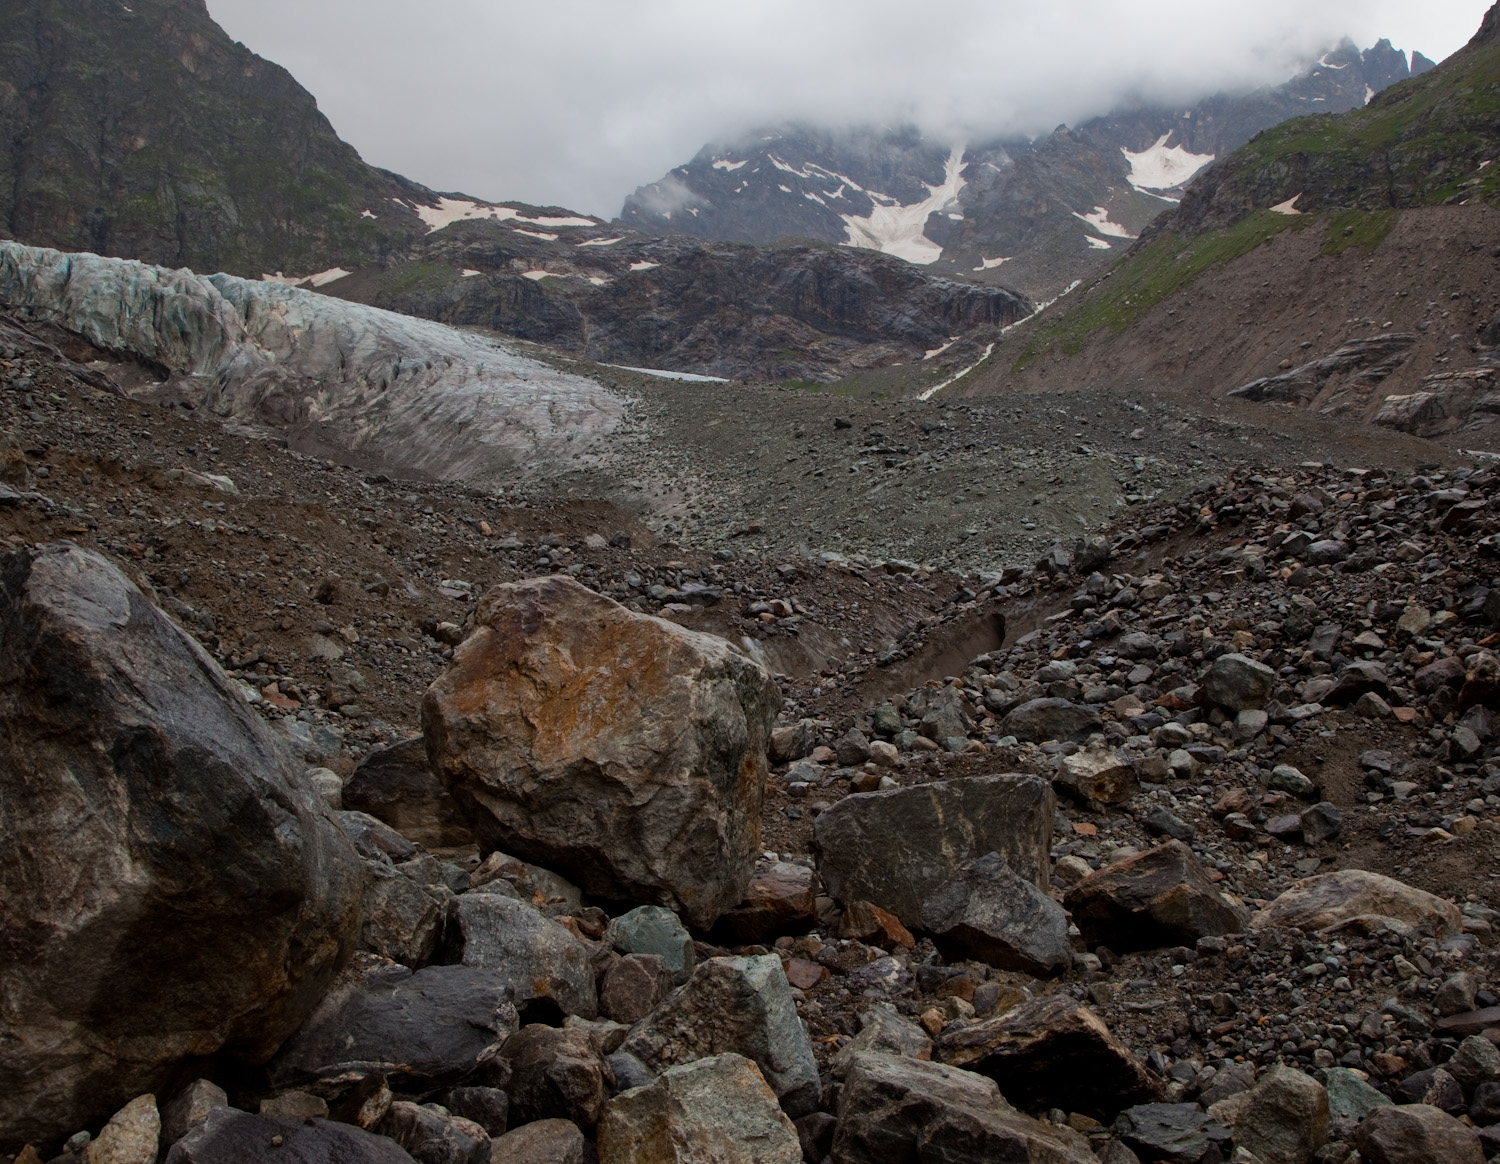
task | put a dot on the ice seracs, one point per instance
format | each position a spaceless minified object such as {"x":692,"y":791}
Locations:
{"x":899,"y":230}
{"x":1164,"y":167}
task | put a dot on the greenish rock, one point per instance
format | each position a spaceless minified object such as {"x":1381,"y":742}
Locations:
{"x":654,"y":929}
{"x":1285,"y":778}
{"x":1350,"y":1099}
{"x":886,"y":721}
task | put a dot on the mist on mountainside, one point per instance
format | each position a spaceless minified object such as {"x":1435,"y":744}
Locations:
{"x":512,"y":101}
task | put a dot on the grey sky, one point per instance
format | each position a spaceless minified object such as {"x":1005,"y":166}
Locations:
{"x":577,"y":103}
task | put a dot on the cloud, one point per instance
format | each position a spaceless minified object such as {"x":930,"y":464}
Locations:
{"x":578,"y":104}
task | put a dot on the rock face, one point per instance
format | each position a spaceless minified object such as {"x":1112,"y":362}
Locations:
{"x":563,"y":707}
{"x":989,"y":913}
{"x":898,"y":848}
{"x":397,"y":785}
{"x":1162,"y":897}
{"x":193,"y":852}
{"x":1052,"y":1053}
{"x":742,"y":1005}
{"x":717,"y":1109}
{"x":1352,"y":896}
{"x":422,"y":1030}
{"x":892,"y":1108}
{"x":453,"y":404}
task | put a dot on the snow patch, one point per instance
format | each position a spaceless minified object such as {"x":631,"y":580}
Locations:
{"x":1098,"y":243}
{"x":730,"y":167}
{"x":936,"y":388}
{"x":1163,"y":168}
{"x":898,"y":230}
{"x":536,"y":234}
{"x":1287,"y":207}
{"x":1099,"y":220}
{"x":990,"y":264}
{"x":692,"y":377}
{"x":469,"y":273}
{"x":598,"y":280}
{"x":1324,"y":62}
{"x":554,"y":222}
{"x":451,"y":210}
{"x":1369,"y":94}
{"x":535,"y":276}
{"x":939,"y":351}
{"x":644,"y":266}
{"x":602,"y":242}
{"x":366,"y":214}
{"x":332,"y":275}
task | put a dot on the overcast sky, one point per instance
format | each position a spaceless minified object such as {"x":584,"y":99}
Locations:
{"x":576,"y":104}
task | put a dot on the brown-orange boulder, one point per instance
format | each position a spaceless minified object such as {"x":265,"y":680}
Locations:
{"x":620,"y":750}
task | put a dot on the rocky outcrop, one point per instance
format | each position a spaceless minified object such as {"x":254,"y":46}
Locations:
{"x":898,"y":848}
{"x":181,"y":890}
{"x":404,"y":392}
{"x":562,"y":706}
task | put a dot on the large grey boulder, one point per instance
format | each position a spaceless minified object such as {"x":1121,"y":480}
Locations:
{"x":1040,"y":720}
{"x":433,"y":1135}
{"x":898,"y":848}
{"x":715,"y":1110}
{"x":1416,"y":1134}
{"x":990,"y":913}
{"x":742,"y":1005}
{"x":556,"y":1073}
{"x":891,"y":1109}
{"x":423,"y":1030}
{"x":1358,"y":897}
{"x":548,"y":971}
{"x":1238,"y":683}
{"x":620,"y":750}
{"x":228,"y":1136}
{"x":172,"y":888}
{"x":1283,"y":1119}
{"x":403,"y":919}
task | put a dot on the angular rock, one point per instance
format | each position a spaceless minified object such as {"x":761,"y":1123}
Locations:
{"x":1175,"y":1133}
{"x":1457,"y":994}
{"x":1322,"y":822}
{"x":717,"y":1109}
{"x":633,"y":987}
{"x":894,"y":1109}
{"x":489,"y":1107}
{"x":989,"y":913}
{"x":1238,"y":683}
{"x":402,"y":919}
{"x":897,"y":848}
{"x":1353,"y":895}
{"x":1097,"y":776}
{"x":189,"y":1108}
{"x":544,"y":1142}
{"x":1476,"y":1061}
{"x":1355,"y":680}
{"x":654,"y":930}
{"x":883,"y":1029}
{"x":423,"y":1030}
{"x":742,"y":1005}
{"x":228,"y":1136}
{"x":556,"y":1074}
{"x":1041,"y":720}
{"x":1162,"y":897}
{"x":1283,"y":1119}
{"x":791,"y":742}
{"x":1416,"y":1134}
{"x":431,"y":1135}
{"x":132,"y":1135}
{"x":397,"y":785}
{"x":563,"y":709}
{"x":537,"y":886}
{"x":547,"y":970}
{"x":199,"y":899}
{"x":782,"y":899}
{"x":1471,"y":1022}
{"x":1052,"y":1052}
{"x":864,"y":921}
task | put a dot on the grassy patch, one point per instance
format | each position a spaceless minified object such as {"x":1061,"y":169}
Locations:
{"x":1358,"y":228}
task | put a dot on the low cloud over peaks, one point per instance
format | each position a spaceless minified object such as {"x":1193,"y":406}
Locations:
{"x":580,"y":104}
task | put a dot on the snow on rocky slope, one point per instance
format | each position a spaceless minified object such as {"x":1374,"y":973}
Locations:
{"x":406,"y":392}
